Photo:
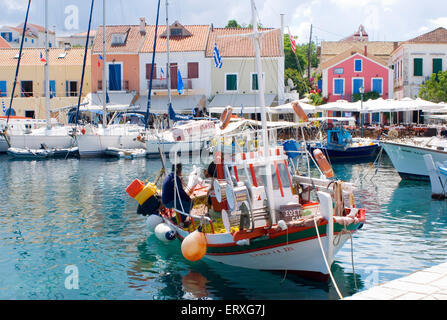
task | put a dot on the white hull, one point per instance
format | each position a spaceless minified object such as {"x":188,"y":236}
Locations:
{"x":96,"y":145}
{"x":35,"y":141}
{"x":3,"y":145}
{"x":409,"y":159}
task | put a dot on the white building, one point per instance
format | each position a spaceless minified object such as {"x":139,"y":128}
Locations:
{"x":34,"y":36}
{"x":415,"y":60}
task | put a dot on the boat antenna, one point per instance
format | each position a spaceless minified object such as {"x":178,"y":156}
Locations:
{"x":146,"y":121}
{"x":104,"y":80}
{"x":85,"y":58}
{"x":18,"y":65}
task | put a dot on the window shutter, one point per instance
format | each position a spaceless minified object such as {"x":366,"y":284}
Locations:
{"x":417,"y":67}
{"x":254,"y":82}
{"x":437,"y":65}
{"x":148,"y":71}
{"x":193,"y":70}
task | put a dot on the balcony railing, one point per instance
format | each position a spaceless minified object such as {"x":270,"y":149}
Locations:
{"x":158,"y":84}
{"x":124,"y":85}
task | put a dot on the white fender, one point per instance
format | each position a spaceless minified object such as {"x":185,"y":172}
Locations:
{"x":153,"y":221}
{"x":327,"y":211}
{"x":164,"y":233}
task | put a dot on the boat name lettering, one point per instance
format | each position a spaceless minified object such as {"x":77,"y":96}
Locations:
{"x":275,"y":251}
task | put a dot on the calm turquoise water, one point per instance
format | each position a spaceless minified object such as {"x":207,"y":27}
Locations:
{"x":60,"y":213}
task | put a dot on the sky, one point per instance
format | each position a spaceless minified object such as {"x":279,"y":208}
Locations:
{"x":331,"y":20}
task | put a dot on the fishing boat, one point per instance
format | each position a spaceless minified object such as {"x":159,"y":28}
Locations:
{"x":263,"y":216}
{"x":407,"y":155}
{"x":340,"y":145}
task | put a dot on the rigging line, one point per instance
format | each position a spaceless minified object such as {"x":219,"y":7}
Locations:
{"x":85,"y":58}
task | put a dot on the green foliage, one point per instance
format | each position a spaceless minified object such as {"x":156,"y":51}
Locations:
{"x":435,"y":89}
{"x":372,"y":95}
{"x":233,"y":24}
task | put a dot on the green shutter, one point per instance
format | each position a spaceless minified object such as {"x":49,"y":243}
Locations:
{"x":254,"y":82}
{"x":418,"y":67}
{"x":231,"y":82}
{"x":437,"y":65}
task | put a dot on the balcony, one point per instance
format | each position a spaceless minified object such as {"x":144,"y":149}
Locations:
{"x":123,"y":86}
{"x":158,"y":84}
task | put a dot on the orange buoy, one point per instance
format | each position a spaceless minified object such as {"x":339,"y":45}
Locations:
{"x":324,"y":165}
{"x":135,"y":188}
{"x":226,"y":117}
{"x":299,"y":111}
{"x":194,"y":246}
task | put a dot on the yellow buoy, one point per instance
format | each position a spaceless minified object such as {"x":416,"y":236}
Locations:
{"x":194,"y":246}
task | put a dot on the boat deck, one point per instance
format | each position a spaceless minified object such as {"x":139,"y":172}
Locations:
{"x":428,"y":284}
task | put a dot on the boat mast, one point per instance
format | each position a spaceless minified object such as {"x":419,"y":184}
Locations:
{"x":168,"y":69}
{"x":268,"y":168}
{"x":47,"y":72}
{"x":104,"y":80}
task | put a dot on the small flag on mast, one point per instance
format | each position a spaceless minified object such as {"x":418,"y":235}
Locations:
{"x":42,"y":59}
{"x":99,"y":60}
{"x":179,"y":83}
{"x":216,"y":56}
{"x":161,"y":73}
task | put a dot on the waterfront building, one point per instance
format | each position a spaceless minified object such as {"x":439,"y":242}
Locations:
{"x":65,"y":69}
{"x":76,"y":40}
{"x":415,"y":60}
{"x":236,"y":82}
{"x":345,"y":74}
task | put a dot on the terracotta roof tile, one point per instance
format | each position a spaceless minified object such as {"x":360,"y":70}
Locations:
{"x":348,"y":53}
{"x":31,"y":57}
{"x":436,"y":36}
{"x":195,"y":42}
{"x":241,"y":46}
{"x":134,"y":39}
{"x":4,"y":44}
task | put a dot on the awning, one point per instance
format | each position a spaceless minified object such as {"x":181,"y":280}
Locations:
{"x":115,"y":98}
{"x":159,"y":104}
{"x":238,"y":100}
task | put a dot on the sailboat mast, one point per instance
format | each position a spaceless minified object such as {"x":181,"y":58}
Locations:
{"x":168,"y":68}
{"x":47,"y":72}
{"x":268,"y":167}
{"x":104,"y":80}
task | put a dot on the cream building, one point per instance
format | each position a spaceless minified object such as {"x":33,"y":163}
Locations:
{"x":65,"y":69}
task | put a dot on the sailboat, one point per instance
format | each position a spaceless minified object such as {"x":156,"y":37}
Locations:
{"x":263,"y":215}
{"x":108,"y":139}
{"x":51,"y":136}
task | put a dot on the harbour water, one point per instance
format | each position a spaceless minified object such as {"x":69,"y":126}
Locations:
{"x":67,"y":222}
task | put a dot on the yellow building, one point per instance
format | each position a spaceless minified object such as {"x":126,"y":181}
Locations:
{"x":65,"y":71}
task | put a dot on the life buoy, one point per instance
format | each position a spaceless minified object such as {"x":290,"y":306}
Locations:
{"x":323,"y":163}
{"x":299,"y":111}
{"x":226,"y":117}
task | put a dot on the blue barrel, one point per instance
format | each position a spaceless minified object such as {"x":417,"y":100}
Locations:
{"x":291,"y":147}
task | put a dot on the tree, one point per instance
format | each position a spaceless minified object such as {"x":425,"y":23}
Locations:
{"x":233,"y":24}
{"x":435,"y":89}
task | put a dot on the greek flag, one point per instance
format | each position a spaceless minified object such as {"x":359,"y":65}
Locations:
{"x":4,"y":107}
{"x":216,"y":56}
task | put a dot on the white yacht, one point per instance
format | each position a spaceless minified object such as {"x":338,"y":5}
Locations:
{"x":407,"y":155}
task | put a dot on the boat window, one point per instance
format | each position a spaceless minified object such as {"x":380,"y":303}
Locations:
{"x":261,"y":177}
{"x":334,"y":137}
{"x":284,"y":175}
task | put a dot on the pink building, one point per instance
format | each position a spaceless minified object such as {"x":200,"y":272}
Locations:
{"x":345,"y":74}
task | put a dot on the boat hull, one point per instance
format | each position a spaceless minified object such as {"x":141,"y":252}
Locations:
{"x":297,"y":251}
{"x":96,"y":145}
{"x":408,"y":160}
{"x":350,"y":153}
{"x":3,"y":145}
{"x":30,"y":141}
{"x":154,"y":147}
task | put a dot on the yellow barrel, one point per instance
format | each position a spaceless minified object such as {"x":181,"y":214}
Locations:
{"x":148,"y":191}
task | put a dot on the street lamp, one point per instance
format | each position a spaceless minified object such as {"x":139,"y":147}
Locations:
{"x":361,"y":90}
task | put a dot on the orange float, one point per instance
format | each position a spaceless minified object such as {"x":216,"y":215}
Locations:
{"x":299,"y":111}
{"x":226,"y":117}
{"x":324,"y":165}
{"x":194,"y":246}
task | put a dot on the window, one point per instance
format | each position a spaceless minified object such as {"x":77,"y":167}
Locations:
{"x":358,"y":64}
{"x":339,"y":87}
{"x":119,"y":39}
{"x":417,"y":67}
{"x":357,"y":83}
{"x":26,"y":88}
{"x":339,"y":70}
{"x":231,"y":82}
{"x":3,"y":89}
{"x":71,"y":88}
{"x":176,"y":32}
{"x":254,"y":82}
{"x":437,"y":65}
{"x":52,"y":88}
{"x":148,"y":71}
{"x":193,"y":70}
{"x":30,"y":114}
{"x":377,"y":85}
